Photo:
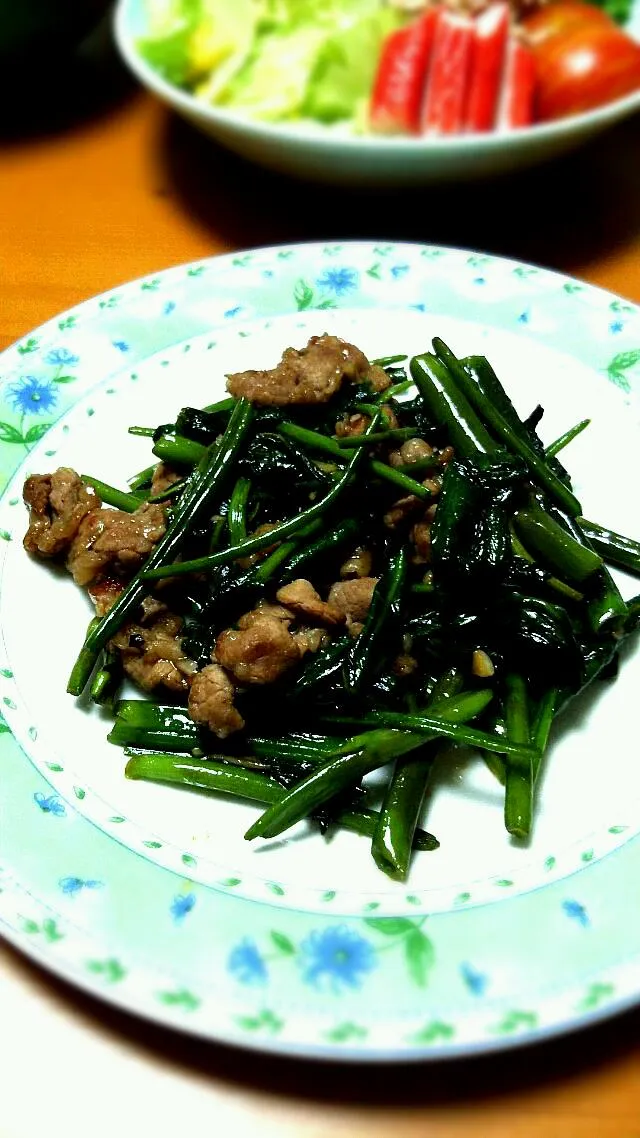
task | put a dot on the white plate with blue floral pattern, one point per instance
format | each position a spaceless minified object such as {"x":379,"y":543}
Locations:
{"x":149,"y":897}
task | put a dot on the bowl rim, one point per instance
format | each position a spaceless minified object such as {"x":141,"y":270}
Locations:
{"x":323,"y":138}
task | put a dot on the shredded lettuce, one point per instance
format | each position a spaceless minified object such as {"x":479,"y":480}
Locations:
{"x":345,"y":67}
{"x":272,"y":59}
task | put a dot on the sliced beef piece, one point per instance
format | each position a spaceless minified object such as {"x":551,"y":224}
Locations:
{"x":308,"y":375}
{"x":353,"y":598}
{"x":163,"y":478}
{"x":115,"y":539}
{"x":57,"y":505}
{"x":261,"y":649}
{"x":152,"y":655}
{"x":303,"y":600}
{"x":310,"y":639}
{"x":105,"y":593}
{"x":211,"y":702}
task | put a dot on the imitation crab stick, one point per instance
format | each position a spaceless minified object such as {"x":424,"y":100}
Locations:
{"x":448,"y":80}
{"x":518,"y":88}
{"x":398,"y":91}
{"x":487,"y":63}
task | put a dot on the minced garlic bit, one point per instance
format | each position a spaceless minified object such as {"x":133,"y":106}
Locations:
{"x":482,"y":664}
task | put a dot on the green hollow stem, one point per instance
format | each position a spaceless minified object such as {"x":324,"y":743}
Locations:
{"x":350,"y":763}
{"x":216,"y":777}
{"x":392,"y":841}
{"x":518,"y":800}
{"x":554,"y":546}
{"x":110,"y":496}
{"x":401,"y":481}
{"x":178,"y":451}
{"x":262,"y":541}
{"x":560,"y":443}
{"x":394,"y":434}
{"x":614,"y":547}
{"x":500,"y":427}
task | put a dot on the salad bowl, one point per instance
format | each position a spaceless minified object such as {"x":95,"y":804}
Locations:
{"x":337,"y":153}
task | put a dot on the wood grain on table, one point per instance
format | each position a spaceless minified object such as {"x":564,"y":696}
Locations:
{"x":89,"y":199}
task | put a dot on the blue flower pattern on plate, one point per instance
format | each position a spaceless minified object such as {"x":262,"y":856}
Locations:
{"x":72,"y":886}
{"x":576,"y":912}
{"x":616,"y":326}
{"x":32,"y":396}
{"x":168,"y":308}
{"x":61,"y":357}
{"x":121,"y":345}
{"x":398,"y":271}
{"x":49,"y":804}
{"x":246,"y":963}
{"x":475,"y":981}
{"x":181,"y":905}
{"x":339,"y":281}
{"x":336,"y":958}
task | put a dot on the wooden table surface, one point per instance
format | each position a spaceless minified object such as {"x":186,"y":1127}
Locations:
{"x":87,"y":201}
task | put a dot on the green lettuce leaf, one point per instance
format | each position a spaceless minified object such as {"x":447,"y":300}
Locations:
{"x":345,"y":67}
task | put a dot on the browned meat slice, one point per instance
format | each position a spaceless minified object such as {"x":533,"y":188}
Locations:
{"x":113,"y":538}
{"x":352,"y":598}
{"x":163,"y":478}
{"x":105,"y":593}
{"x":308,"y":375}
{"x":211,"y":702}
{"x":265,"y":609}
{"x":310,"y":639}
{"x":421,"y":538}
{"x":301,"y":597}
{"x":57,"y":504}
{"x":260,"y":650}
{"x":153,"y":656}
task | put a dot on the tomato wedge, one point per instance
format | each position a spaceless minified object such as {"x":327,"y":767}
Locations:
{"x":584,"y":67}
{"x":557,"y":19}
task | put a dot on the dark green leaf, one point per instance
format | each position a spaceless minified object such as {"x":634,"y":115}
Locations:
{"x":64,"y":379}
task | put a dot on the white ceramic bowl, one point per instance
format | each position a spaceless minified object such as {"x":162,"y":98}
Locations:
{"x":331,"y":154}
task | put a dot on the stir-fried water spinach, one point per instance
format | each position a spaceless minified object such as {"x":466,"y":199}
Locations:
{"x":481,"y":599}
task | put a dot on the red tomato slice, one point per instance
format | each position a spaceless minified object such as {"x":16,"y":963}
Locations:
{"x":557,"y":19}
{"x":585,"y":68}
